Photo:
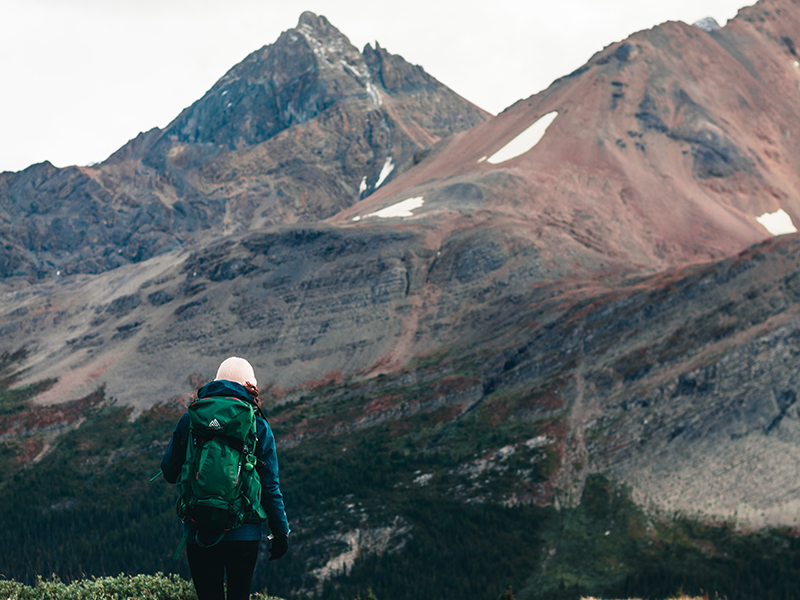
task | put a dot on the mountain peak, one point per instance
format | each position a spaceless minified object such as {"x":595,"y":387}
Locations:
{"x":223,"y":161}
{"x":313,"y":20}
{"x":330,"y":45}
{"x":708,"y":24}
{"x":318,"y":27}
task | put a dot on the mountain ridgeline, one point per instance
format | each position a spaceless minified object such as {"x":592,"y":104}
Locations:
{"x":296,"y":132}
{"x":566,"y":371}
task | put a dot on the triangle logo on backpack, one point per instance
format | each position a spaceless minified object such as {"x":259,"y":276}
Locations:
{"x":215,"y":425}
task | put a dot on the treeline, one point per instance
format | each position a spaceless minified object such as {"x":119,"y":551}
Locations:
{"x":607,"y":547}
{"x":88,"y":509}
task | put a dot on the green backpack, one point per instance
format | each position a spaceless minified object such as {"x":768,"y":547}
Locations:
{"x":218,"y":486}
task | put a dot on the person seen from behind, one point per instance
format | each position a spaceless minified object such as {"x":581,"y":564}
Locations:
{"x":231,"y":552}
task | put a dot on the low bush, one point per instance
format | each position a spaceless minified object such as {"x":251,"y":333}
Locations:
{"x":122,"y":587}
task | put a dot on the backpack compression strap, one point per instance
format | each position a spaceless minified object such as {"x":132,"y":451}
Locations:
{"x":181,"y":543}
{"x":185,"y":537}
{"x":214,"y":543}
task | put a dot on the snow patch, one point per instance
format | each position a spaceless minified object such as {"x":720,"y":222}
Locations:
{"x":482,"y":158}
{"x":777,"y":223}
{"x":423,"y":479}
{"x":363,"y":186}
{"x":351,"y":68}
{"x":224,"y":92}
{"x":401,"y":209}
{"x":708,"y":24}
{"x":525,"y":141}
{"x":375,"y":97}
{"x":537,"y":442}
{"x":505,"y":452}
{"x":363,"y":77}
{"x":323,"y":50}
{"x":387,"y":169}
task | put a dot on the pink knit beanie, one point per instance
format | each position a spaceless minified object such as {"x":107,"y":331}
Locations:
{"x":236,"y":369}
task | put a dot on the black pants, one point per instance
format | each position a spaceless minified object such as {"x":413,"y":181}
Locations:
{"x":209,"y":565}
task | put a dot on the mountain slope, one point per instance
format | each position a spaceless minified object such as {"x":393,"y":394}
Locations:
{"x":665,"y":149}
{"x":360,"y":295}
{"x":299,"y":130}
{"x":533,"y":344}
{"x":484,"y":460}
{"x":639,"y":379}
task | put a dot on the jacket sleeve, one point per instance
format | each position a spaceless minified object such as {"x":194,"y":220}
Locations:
{"x":267,"y":468}
{"x":176,"y":450}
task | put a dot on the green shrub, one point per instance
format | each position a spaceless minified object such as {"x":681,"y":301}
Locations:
{"x":122,"y":587}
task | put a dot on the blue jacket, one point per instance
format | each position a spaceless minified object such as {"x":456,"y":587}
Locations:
{"x":266,"y":465}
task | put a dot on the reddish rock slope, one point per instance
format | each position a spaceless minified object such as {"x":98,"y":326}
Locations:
{"x":666,"y":148}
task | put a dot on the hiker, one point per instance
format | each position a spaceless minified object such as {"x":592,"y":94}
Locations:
{"x":232,"y":551}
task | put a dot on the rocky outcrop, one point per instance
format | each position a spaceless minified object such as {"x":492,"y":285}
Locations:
{"x":58,"y":222}
{"x":707,"y":24}
{"x":306,"y":302}
{"x":682,"y":385}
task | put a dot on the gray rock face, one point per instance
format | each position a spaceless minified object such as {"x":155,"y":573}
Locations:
{"x":707,"y":24}
{"x":684,"y":386}
{"x":61,"y":220}
{"x":304,"y":302}
{"x":689,"y":393}
{"x":720,"y":440}
{"x":468,"y":257}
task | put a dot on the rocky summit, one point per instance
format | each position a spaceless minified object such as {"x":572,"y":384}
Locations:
{"x":299,"y":130}
{"x":577,"y":319}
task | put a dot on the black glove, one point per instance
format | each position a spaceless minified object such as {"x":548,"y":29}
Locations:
{"x":280,"y":544}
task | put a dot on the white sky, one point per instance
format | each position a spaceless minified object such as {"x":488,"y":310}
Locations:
{"x":81,"y":77}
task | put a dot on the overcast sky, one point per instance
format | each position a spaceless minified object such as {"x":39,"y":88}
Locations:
{"x":78,"y":78}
